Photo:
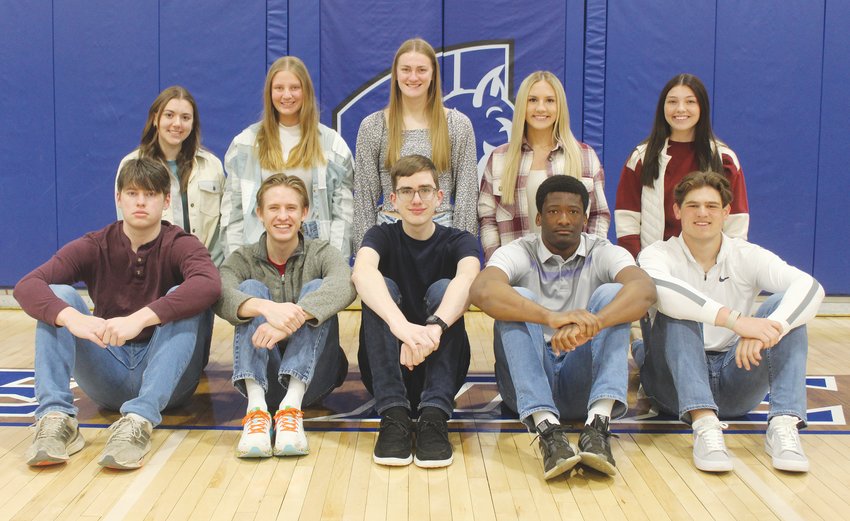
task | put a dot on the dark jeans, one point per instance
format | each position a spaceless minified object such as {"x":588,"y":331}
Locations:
{"x":432,"y":383}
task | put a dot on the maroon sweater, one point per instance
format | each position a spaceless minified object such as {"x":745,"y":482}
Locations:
{"x":121,"y":282}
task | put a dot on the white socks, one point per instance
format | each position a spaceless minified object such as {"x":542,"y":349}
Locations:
{"x":540,"y":416}
{"x":601,"y":407}
{"x":256,"y":395}
{"x":294,"y":394}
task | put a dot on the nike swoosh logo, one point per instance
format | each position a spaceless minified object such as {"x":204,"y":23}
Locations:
{"x":722,"y":279}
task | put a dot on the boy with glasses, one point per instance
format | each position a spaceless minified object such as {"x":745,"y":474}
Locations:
{"x":413,"y":277}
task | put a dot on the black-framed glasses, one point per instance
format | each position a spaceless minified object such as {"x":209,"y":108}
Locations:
{"x":426,"y":193}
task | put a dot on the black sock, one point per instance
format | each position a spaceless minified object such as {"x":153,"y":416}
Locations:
{"x":433,"y":414}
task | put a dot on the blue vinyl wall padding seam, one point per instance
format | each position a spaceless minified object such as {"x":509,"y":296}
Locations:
{"x":596,"y":15}
{"x":820,"y":137}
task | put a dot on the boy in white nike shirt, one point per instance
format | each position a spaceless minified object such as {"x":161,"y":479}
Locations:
{"x":702,"y":355}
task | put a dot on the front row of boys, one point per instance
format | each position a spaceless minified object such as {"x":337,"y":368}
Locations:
{"x":562,"y":302}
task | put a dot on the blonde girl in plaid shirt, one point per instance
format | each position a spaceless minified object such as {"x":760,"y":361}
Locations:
{"x":541,"y":140}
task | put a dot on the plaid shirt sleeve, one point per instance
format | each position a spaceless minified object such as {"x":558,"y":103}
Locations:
{"x":599,"y":218}
{"x":487,"y":211}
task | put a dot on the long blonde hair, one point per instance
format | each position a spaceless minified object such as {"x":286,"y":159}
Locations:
{"x":437,"y":124}
{"x":561,"y":134}
{"x":308,"y":151}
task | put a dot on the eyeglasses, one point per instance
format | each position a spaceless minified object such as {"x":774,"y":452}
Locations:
{"x":426,"y":193}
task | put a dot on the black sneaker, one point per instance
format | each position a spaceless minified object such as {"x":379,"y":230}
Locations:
{"x":594,"y":447}
{"x":558,"y":455}
{"x":433,"y":448}
{"x":394,"y":441}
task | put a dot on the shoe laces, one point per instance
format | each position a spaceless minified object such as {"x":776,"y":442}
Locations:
{"x":786,"y":431}
{"x":50,"y":426}
{"x":126,"y":429}
{"x":390,"y":423}
{"x":286,"y":420}
{"x":596,"y":436}
{"x":712,"y":436}
{"x":436,"y":426}
{"x":258,"y":421}
{"x":547,"y":436}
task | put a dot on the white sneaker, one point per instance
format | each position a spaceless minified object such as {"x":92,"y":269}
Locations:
{"x":256,"y":439}
{"x":290,"y":439}
{"x":782,"y":442}
{"x":710,"y":453}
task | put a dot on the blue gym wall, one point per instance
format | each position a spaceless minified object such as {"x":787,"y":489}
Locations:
{"x":77,"y":77}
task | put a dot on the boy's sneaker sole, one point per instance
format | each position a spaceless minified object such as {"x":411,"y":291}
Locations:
{"x":43,"y":458}
{"x":392,"y":462}
{"x":433,"y":463}
{"x":108,"y":461}
{"x":253,"y":452}
{"x":562,"y":467}
{"x":291,"y":450}
{"x":598,"y":463}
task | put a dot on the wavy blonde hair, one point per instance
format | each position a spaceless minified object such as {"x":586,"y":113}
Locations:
{"x":308,"y":151}
{"x":437,"y":124}
{"x":561,"y":133}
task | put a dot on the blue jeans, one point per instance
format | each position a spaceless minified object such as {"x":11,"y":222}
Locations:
{"x":139,"y":377}
{"x":532,"y":378}
{"x":434,"y":382}
{"x":679,"y":376}
{"x":312,"y":354}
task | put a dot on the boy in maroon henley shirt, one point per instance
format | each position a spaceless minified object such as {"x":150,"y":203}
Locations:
{"x":140,"y":352}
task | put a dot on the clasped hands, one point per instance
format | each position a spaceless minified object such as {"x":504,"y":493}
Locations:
{"x":103,"y":332}
{"x":572,"y":329}
{"x":282,"y":320}
{"x":417,"y":342}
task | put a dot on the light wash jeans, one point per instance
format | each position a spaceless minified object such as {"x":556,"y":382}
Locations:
{"x":312,"y":354}
{"x":531,"y":378}
{"x":679,"y":376}
{"x":434,"y":382}
{"x":142,"y":377}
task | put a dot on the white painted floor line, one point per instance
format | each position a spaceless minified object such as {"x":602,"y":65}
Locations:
{"x":145,"y":476}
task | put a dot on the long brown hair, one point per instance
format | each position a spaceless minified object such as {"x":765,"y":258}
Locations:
{"x":308,"y":151}
{"x":705,"y":142}
{"x":149,"y":145}
{"x":437,"y":124}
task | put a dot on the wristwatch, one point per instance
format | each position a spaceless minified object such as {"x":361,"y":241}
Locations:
{"x":435,"y":320}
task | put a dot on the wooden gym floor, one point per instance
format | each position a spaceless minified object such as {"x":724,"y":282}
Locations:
{"x":192,"y":472}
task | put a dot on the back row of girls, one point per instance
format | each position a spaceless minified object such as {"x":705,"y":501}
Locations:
{"x":348,"y":196}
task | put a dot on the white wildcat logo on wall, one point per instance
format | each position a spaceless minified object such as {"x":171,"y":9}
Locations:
{"x":477,"y":79}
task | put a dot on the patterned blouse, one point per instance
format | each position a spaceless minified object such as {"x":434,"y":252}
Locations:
{"x":372,"y":183}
